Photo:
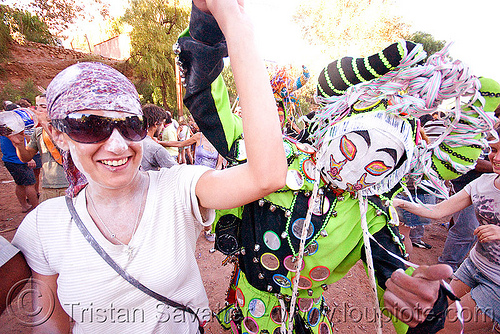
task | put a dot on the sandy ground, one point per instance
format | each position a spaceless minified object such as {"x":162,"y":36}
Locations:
{"x":352,"y":292}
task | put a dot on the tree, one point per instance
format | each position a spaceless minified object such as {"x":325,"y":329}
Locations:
{"x":349,"y":27}
{"x":430,"y":44}
{"x":23,"y":25}
{"x":228,"y":76}
{"x":156,"y":26}
{"x":59,"y":14}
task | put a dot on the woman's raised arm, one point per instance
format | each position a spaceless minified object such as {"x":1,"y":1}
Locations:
{"x":265,"y":170}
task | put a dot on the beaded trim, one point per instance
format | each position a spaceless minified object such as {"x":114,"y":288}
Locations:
{"x":397,"y":239}
{"x":373,"y":107}
{"x":330,"y":84}
{"x":490,"y":94}
{"x":326,"y":219}
{"x":342,"y":74}
{"x":401,"y":50}
{"x":370,"y":69}
{"x":355,"y":68}
{"x":455,"y":154}
{"x":445,"y":165}
{"x":279,"y":206}
{"x":379,"y":209}
{"x":384,"y":60}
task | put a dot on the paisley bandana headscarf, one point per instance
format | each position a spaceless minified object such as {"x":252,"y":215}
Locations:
{"x":88,"y":86}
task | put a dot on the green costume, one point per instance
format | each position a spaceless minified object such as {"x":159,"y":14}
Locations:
{"x":263,"y":237}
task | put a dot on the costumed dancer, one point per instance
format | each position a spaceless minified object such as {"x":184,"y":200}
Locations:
{"x":288,"y":246}
{"x":284,"y":87}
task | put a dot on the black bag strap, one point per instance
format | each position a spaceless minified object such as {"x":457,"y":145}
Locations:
{"x":81,"y":226}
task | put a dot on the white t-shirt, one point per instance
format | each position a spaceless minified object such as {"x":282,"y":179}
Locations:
{"x":163,"y":259}
{"x":486,"y":200}
{"x":7,"y":251}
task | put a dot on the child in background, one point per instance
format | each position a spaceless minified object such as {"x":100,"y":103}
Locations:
{"x":477,"y":281}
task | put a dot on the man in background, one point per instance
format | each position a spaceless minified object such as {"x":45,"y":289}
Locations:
{"x":54,"y":182}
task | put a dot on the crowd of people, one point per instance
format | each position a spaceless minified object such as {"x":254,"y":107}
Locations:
{"x":125,"y":191}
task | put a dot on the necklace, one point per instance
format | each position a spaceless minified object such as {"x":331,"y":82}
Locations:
{"x":129,"y":249}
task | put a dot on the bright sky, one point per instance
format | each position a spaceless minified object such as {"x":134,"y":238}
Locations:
{"x":469,"y":24}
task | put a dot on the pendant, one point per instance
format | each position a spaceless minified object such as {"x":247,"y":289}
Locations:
{"x":130,"y":252}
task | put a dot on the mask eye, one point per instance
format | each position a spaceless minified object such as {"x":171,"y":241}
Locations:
{"x":377,"y":168}
{"x":347,"y":148}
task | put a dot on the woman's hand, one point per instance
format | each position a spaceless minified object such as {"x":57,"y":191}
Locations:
{"x":202,"y":5}
{"x":487,"y":233}
{"x":224,"y":11}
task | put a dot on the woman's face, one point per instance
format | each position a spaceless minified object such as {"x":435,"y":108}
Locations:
{"x":112,"y":163}
{"x":494,"y":156}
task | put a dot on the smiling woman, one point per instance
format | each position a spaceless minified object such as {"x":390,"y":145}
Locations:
{"x":143,"y":224}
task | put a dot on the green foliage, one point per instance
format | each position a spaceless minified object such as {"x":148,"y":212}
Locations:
{"x":115,"y":27}
{"x":156,"y":25}
{"x":59,"y":14}
{"x":145,"y":90}
{"x":346,"y":27}
{"x":5,"y":39}
{"x":24,"y":25}
{"x":430,"y":44}
{"x":29,"y":90}
{"x":33,"y":28}
{"x":227,"y":74}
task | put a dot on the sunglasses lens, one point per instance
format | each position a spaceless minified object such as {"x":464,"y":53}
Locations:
{"x":133,"y":128}
{"x":88,"y":128}
{"x":93,"y":129}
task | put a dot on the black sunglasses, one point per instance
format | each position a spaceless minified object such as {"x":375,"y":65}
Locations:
{"x":90,"y":129}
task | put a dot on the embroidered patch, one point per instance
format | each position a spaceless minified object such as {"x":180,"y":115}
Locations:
{"x":291,"y":265}
{"x":311,"y":249}
{"x":313,"y":317}
{"x":359,"y":185}
{"x":272,"y":240}
{"x":304,"y":283}
{"x":240,"y":297}
{"x":251,"y":325}
{"x":308,"y":166}
{"x":282,"y":281}
{"x":321,"y":206}
{"x":377,"y":168}
{"x":256,"y":307}
{"x":278,"y":316}
{"x":323,"y":328}
{"x":348,"y":148}
{"x":270,"y":261}
{"x":297,"y":228}
{"x":305,"y":304}
{"x":319,"y":273}
{"x":294,"y":179}
{"x":335,"y":168}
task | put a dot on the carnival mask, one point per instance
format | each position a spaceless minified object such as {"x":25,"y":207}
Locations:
{"x":360,"y":153}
